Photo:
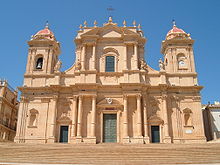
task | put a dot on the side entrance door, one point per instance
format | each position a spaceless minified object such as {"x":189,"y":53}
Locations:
{"x":155,"y":134}
{"x":109,"y":128}
{"x":64,"y":134}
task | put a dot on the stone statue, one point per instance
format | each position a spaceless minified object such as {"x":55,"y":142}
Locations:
{"x":143,"y":64}
{"x":58,"y":66}
{"x":161,"y":65}
{"x":78,"y":65}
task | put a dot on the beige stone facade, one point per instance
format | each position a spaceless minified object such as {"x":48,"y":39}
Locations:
{"x":110,"y":94}
{"x":8,"y":111}
{"x":211,"y":118}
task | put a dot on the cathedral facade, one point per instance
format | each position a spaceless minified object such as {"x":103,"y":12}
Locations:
{"x":110,"y":94}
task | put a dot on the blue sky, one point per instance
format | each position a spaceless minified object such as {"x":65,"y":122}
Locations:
{"x":21,"y":19}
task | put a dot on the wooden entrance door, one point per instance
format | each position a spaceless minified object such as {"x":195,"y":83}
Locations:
{"x":155,"y":134}
{"x":64,"y":134}
{"x":109,"y":128}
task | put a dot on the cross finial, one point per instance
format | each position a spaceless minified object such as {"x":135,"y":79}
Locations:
{"x":47,"y":25}
{"x":174,"y":22}
{"x":110,"y":9}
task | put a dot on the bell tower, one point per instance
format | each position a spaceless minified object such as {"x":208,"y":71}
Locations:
{"x":43,"y":53}
{"x":177,"y":49}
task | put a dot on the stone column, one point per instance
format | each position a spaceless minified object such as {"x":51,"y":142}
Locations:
{"x":74,"y":114}
{"x":125,"y":119}
{"x":139,"y":123}
{"x":83,"y":54}
{"x":93,"y":56}
{"x":146,"y":135}
{"x":125,"y":57}
{"x":53,"y":116}
{"x":93,"y":119}
{"x":79,"y":120}
{"x":21,"y":124}
{"x":135,"y":56}
{"x":167,"y":138}
{"x":49,"y":63}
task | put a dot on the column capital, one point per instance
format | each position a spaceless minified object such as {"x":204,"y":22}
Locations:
{"x":125,"y":96}
{"x":75,"y":97}
{"x":138,"y":96}
{"x":84,"y":44}
{"x":94,"y":96}
{"x":55,"y":97}
{"x":164,"y":96}
{"x":80,"y":97}
{"x":24,"y":99}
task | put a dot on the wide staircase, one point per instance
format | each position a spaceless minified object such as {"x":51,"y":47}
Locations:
{"x":207,"y":153}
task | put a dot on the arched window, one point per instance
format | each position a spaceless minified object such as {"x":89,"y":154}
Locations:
{"x":110,"y":64}
{"x":39,"y":63}
{"x":33,"y":118}
{"x":182,"y":61}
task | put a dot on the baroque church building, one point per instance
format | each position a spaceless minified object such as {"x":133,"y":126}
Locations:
{"x":110,"y":94}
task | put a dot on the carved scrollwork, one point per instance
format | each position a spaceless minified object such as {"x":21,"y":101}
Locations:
{"x":78,"y":65}
{"x":143,"y":64}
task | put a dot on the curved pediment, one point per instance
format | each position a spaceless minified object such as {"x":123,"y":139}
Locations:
{"x":64,"y":118}
{"x":155,"y":119}
{"x":109,"y":102}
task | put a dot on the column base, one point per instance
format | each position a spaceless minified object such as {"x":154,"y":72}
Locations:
{"x":126,"y":140}
{"x":137,"y":140}
{"x":89,"y":140}
{"x":78,"y":139}
{"x":51,"y":140}
{"x":167,"y":139}
{"x":19,"y":140}
{"x":146,"y":140}
{"x":72,"y":140}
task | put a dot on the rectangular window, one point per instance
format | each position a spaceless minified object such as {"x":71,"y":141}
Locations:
{"x":110,"y":64}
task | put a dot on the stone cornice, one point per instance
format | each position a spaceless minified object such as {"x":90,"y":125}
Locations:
{"x":4,"y":100}
{"x":39,"y":75}
{"x":129,"y":86}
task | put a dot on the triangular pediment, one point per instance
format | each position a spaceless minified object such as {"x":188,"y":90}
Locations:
{"x":109,"y":31}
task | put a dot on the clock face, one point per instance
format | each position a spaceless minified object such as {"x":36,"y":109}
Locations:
{"x":181,"y":63}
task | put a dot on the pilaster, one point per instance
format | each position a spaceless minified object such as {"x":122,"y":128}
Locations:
{"x":74,"y":115}
{"x":135,"y":56}
{"x":79,"y":120}
{"x":92,"y":136}
{"x":167,"y":138}
{"x":83,"y":56}
{"x":138,"y":138}
{"x":146,"y":134}
{"x":125,"y":119}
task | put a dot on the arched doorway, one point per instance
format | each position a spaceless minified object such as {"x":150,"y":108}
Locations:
{"x":110,"y":112}
{"x":156,"y":129}
{"x":64,"y":123}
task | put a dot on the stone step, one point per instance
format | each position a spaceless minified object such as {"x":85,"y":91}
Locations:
{"x":110,"y":153}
